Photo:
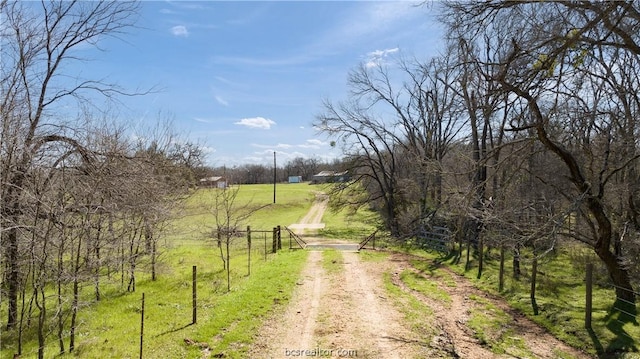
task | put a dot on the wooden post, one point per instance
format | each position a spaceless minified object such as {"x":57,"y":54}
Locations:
{"x":279,"y":238}
{"x":588,"y":297}
{"x":194,"y":296}
{"x":249,"y":250}
{"x":142,"y":326}
{"x":265,"y":246}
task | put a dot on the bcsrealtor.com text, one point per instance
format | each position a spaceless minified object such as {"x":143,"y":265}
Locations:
{"x":320,"y":352}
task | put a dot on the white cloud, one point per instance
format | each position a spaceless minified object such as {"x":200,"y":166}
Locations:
{"x":180,"y":30}
{"x":256,"y":122}
{"x":383,"y":53}
{"x":377,"y":57}
{"x":271,"y":147}
{"x":208,"y":149}
{"x":367,"y":19}
{"x":266,"y":156}
{"x":221,"y":101}
{"x":312,"y":143}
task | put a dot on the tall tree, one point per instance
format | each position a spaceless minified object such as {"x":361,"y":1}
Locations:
{"x":395,"y":135}
{"x":37,"y":43}
{"x":551,"y":64}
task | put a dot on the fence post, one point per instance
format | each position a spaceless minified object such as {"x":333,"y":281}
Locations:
{"x":588,"y":299}
{"x":142,"y":326}
{"x":194,"y":297}
{"x":279,"y":238}
{"x":249,"y":250}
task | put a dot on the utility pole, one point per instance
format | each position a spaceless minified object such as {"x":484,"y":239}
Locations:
{"x":274,"y":177}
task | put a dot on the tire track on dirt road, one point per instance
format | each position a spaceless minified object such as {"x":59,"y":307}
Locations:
{"x":294,"y":329}
{"x":344,"y":313}
{"x":342,"y":309}
{"x":317,"y":209}
{"x":375,"y":327}
{"x":452,"y":318}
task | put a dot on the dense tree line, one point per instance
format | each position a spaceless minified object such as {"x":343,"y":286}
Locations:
{"x":81,"y":198}
{"x":524,"y":133}
{"x":264,"y":173}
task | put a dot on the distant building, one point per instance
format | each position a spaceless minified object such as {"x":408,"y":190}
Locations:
{"x":295,"y":179}
{"x":214,"y":182}
{"x":331,"y":177}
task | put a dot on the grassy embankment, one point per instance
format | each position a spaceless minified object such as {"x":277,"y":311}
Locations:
{"x":560,"y":296}
{"x":226,"y":321}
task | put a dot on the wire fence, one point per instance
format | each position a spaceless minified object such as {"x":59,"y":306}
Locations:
{"x":624,"y":305}
{"x":260,"y":243}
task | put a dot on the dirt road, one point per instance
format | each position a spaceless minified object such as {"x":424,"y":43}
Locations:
{"x":348,"y":313}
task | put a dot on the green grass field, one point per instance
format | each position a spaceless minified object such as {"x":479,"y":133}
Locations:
{"x":226,"y":321}
{"x":560,"y":296}
{"x":292,"y":203}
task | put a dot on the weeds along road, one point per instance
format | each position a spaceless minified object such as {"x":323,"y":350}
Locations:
{"x":357,"y":305}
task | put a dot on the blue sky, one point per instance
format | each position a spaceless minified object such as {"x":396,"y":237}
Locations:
{"x":245,"y":79}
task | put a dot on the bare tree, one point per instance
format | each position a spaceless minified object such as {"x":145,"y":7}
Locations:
{"x":395,"y":135}
{"x":37,"y":43}
{"x":549,"y":65}
{"x":229,"y":216}
{"x":305,"y":167}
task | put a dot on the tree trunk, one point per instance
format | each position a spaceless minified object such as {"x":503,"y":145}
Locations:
{"x":618,"y":274}
{"x":534,"y":275}
{"x":98,"y":262}
{"x":501,"y":273}
{"x":134,"y":251}
{"x":228,"y":265}
{"x":467,"y":264}
{"x":60,"y":317}
{"x":23,"y":309}
{"x":11,"y":211}
{"x":153,"y":259}
{"x":13,"y":278}
{"x":224,"y":261}
{"x":74,"y":314}
{"x":76,"y":296}
{"x":593,"y":202}
{"x":42,"y":317}
{"x":516,"y":262}
{"x":480,"y":254}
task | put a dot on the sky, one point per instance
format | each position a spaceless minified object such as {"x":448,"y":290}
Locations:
{"x":245,"y":79}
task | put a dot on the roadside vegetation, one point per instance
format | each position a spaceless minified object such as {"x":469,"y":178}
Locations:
{"x":560,"y":299}
{"x":517,"y":149}
{"x":226,"y":320}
